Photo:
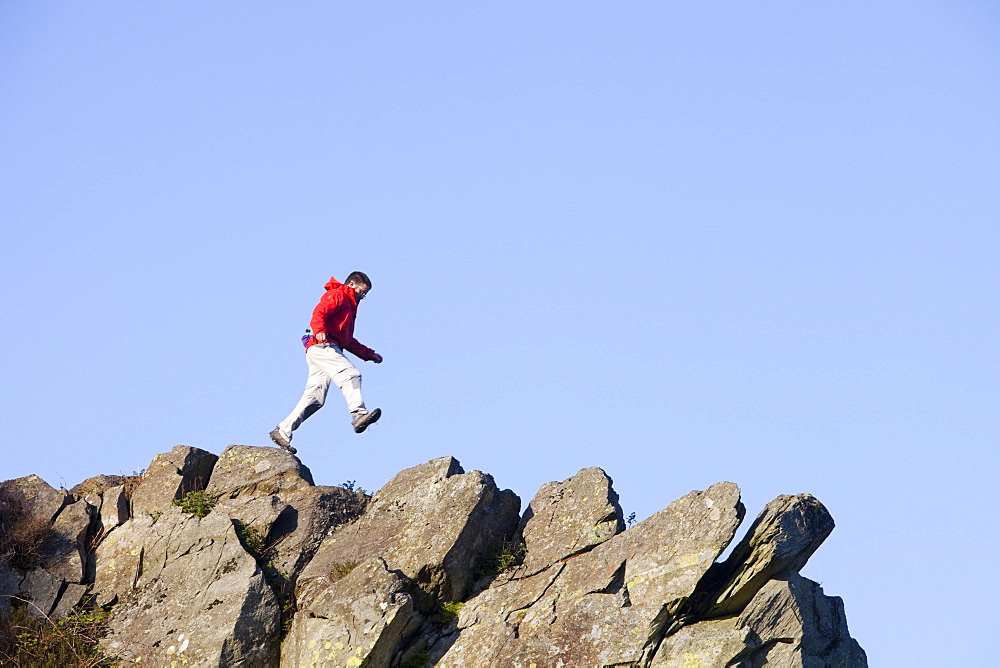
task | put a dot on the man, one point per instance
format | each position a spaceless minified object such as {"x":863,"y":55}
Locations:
{"x":332,"y":327}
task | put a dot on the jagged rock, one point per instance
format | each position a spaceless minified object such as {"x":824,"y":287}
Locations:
{"x":790,"y":623}
{"x":620,"y":597}
{"x":42,"y":589}
{"x":96,"y":485}
{"x":72,"y":594}
{"x":247,"y":471}
{"x":432,"y":526}
{"x":508,"y":594}
{"x":253,"y":515}
{"x":303,"y":519}
{"x":198,"y":596}
{"x":371,"y":575}
{"x":172,"y":475}
{"x":64,"y":551}
{"x":118,"y":559}
{"x":357,"y":620}
{"x":569,"y":517}
{"x":46,"y":555}
{"x":490,"y":619}
{"x":781,"y":540}
{"x":707,"y":644}
{"x":31,"y":498}
{"x":810,"y":626}
{"x":432,"y":522}
{"x":272,"y":496}
{"x":114,"y":508}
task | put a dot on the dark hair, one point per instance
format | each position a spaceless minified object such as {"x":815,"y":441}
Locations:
{"x":359,"y":277}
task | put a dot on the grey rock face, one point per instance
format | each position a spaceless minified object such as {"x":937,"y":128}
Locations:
{"x":170,"y":476}
{"x":119,"y":558}
{"x":569,"y":517}
{"x":42,"y":589}
{"x":114,"y":508}
{"x":425,"y":534}
{"x":789,"y":623}
{"x":271,"y":494}
{"x":66,"y":546}
{"x":358,"y":620}
{"x":196,"y":595}
{"x":31,"y":498}
{"x":308,"y":516}
{"x":247,"y":471}
{"x":41,"y":556}
{"x":620,"y":597}
{"x":781,"y":540}
{"x":795,"y":624}
{"x":72,"y":594}
{"x":96,"y":485}
{"x":431,"y":522}
{"x":370,"y":578}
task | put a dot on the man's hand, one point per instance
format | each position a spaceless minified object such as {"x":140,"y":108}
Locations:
{"x":377,"y":358}
{"x":321,"y":337}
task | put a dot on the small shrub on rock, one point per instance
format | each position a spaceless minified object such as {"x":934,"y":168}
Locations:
{"x":28,"y":640}
{"x":511,"y":554}
{"x":252,"y":539}
{"x":198,"y":503}
{"x":448,"y":613}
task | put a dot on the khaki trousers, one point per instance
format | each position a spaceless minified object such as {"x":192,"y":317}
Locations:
{"x":326,"y":362}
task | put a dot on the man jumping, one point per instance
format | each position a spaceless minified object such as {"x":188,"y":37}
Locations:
{"x":332,"y":327}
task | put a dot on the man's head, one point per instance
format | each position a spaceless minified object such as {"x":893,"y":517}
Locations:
{"x":360,"y":283}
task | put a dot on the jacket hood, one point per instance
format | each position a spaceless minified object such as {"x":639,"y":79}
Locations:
{"x":332,"y":284}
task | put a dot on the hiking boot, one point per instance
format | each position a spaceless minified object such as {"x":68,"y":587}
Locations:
{"x":362,"y":420}
{"x":282,"y":442}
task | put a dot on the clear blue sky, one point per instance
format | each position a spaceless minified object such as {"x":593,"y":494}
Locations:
{"x":683,"y":241}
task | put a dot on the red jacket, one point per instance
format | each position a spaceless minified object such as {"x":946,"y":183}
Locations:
{"x":334,"y":315}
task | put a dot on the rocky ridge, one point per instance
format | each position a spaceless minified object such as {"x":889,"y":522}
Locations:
{"x":262,"y":567}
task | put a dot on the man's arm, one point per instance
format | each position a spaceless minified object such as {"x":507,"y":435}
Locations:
{"x":364,"y":352}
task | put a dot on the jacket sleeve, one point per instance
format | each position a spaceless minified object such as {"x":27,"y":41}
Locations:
{"x":362,"y":351}
{"x":330,"y":302}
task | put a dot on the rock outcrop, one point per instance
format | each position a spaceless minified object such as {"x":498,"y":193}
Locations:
{"x":193,"y":593}
{"x":42,"y":550}
{"x":241,"y":560}
{"x":170,"y":476}
{"x":372,"y":583}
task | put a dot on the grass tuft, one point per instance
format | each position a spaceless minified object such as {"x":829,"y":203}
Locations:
{"x":341,"y":570}
{"x":198,"y":503}
{"x":448,"y":613}
{"x":28,"y":640}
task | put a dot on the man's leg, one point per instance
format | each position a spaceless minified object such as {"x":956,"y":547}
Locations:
{"x":331,"y":361}
{"x":317,"y":384}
